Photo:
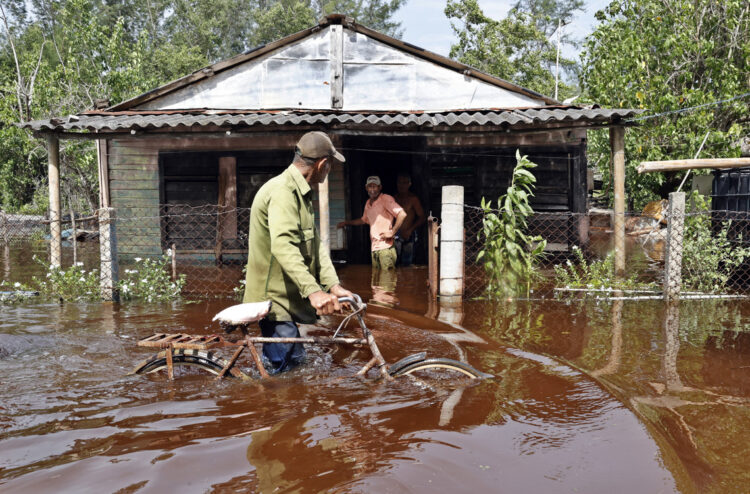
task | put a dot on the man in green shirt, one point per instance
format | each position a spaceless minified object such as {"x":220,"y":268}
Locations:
{"x":287,"y":263}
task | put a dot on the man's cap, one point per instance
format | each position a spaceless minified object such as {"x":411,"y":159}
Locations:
{"x":315,"y":145}
{"x":372,"y":179}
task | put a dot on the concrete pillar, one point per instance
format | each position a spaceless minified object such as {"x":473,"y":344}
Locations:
{"x":108,"y":255}
{"x":673,"y":255}
{"x":55,"y":243}
{"x":452,"y":243}
{"x":617,"y":145}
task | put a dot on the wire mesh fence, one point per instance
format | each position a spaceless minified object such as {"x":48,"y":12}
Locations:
{"x":203,"y":249}
{"x":182,"y":250}
{"x":580,"y":251}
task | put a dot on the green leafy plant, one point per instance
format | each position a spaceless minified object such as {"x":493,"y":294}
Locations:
{"x":149,"y":280}
{"x":70,"y":284}
{"x":709,"y":257}
{"x":508,"y":254}
{"x":594,"y":274}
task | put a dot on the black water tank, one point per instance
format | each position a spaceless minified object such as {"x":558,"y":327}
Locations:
{"x":731,"y":190}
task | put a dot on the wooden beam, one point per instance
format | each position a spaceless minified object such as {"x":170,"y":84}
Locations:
{"x":325,"y":215}
{"x":102,"y":154}
{"x":678,"y":165}
{"x":53,"y":156}
{"x":617,"y":144}
{"x":337,"y":66}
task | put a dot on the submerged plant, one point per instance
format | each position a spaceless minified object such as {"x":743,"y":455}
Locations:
{"x":149,"y":280}
{"x":595,"y":274}
{"x":69,"y":284}
{"x":509,"y":255}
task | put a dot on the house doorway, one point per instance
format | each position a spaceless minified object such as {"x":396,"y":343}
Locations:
{"x":385,"y":157}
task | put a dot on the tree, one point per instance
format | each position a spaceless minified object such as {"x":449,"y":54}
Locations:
{"x":666,"y":56}
{"x":517,"y":48}
{"x":58,"y":57}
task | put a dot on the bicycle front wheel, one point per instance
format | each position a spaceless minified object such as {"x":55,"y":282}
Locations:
{"x":187,"y":358}
{"x":441,"y":367}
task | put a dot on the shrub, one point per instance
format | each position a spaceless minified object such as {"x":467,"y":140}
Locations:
{"x":69,"y":284}
{"x":708,"y":259}
{"x":508,"y":254}
{"x":595,"y":274}
{"x":150,"y":280}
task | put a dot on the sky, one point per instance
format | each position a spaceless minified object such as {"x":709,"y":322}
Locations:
{"x":424,"y":23}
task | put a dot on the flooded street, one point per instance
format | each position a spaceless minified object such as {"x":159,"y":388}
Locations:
{"x":590,"y":396}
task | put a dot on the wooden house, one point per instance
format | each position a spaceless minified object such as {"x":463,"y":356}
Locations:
{"x":215,"y":136}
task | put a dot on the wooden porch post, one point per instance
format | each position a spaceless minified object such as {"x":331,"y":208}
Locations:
{"x":53,"y":153}
{"x":617,"y":146}
{"x":325,"y":214}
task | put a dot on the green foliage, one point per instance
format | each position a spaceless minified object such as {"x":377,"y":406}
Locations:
{"x":150,"y":281}
{"x":663,"y":56}
{"x":709,"y":257}
{"x":596,"y":274}
{"x":516,"y":48}
{"x":59,"y":58}
{"x":508,"y":254}
{"x":69,"y":284}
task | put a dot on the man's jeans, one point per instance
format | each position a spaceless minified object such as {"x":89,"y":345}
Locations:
{"x":282,"y":356}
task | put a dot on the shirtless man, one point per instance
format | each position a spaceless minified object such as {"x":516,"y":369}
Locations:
{"x":415,"y":217}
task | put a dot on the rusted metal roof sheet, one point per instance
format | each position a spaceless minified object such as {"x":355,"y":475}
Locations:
{"x":167,"y":120}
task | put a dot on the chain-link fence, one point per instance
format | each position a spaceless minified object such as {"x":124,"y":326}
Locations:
{"x":714,"y":251}
{"x":167,"y":250}
{"x":202,"y":248}
{"x":25,"y":245}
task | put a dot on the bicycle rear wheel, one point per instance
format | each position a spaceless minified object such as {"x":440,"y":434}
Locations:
{"x":201,"y":359}
{"x":443,"y":368}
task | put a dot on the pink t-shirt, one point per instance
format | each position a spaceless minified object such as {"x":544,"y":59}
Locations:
{"x":380,"y":215}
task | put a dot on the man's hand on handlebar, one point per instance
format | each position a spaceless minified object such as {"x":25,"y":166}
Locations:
{"x":324,"y":303}
{"x":341,"y":292}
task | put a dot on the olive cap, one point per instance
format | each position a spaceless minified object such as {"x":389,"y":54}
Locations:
{"x":315,"y":145}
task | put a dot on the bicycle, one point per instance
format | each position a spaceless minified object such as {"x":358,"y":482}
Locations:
{"x":179,"y":349}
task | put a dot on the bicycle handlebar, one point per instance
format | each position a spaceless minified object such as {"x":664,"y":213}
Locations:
{"x":355,"y":300}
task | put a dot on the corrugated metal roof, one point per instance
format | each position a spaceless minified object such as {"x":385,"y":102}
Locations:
{"x":155,"y":120}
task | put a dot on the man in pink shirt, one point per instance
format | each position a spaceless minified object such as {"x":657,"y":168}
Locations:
{"x":385,"y":217}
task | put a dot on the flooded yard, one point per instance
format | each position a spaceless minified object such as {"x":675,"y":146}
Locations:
{"x":590,"y":396}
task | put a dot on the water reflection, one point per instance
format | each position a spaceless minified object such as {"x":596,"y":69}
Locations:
{"x":383,"y":286}
{"x":682,"y":368}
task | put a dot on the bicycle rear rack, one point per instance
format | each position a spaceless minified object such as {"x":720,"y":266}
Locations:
{"x":182,"y":340}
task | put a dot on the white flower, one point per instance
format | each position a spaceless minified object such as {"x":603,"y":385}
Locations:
{"x":138,"y":259}
{"x":17,"y":284}
{"x":79,"y":264}
{"x":82,"y":279}
{"x":169,"y":252}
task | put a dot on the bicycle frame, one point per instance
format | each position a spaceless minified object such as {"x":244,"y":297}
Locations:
{"x":169,"y":342}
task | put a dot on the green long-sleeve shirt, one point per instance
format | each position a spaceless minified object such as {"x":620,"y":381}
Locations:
{"x":286,"y":260}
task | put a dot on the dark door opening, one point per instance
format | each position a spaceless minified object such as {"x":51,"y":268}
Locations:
{"x":385,"y":157}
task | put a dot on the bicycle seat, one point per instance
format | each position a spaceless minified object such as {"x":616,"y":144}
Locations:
{"x":244,"y":313}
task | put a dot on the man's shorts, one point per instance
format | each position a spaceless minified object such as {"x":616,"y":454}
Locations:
{"x":384,"y":258}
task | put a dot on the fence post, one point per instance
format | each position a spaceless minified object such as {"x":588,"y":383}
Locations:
{"x":673,"y":255}
{"x":452,"y":243}
{"x":432,"y":255}
{"x":108,"y":255}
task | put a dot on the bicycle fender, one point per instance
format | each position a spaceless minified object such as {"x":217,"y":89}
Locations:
{"x":415,"y":357}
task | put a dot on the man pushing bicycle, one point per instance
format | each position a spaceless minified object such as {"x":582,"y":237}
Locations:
{"x":287,"y":263}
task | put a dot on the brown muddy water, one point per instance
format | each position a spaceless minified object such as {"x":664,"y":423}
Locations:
{"x":590,"y":396}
